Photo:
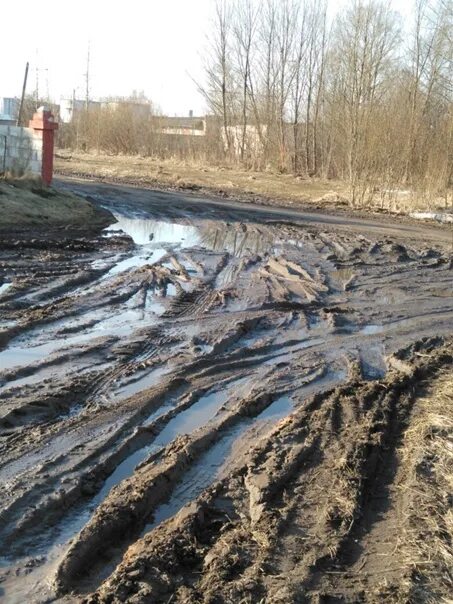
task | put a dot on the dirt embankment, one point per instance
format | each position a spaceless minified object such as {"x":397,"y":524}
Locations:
{"x":219,"y":180}
{"x":26,"y":204}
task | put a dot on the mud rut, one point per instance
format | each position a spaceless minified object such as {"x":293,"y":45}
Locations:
{"x":205,"y":407}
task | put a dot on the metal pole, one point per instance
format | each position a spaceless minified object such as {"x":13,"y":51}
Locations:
{"x":87,"y":75}
{"x":4,"y":152}
{"x":37,"y":81}
{"x":19,"y":117}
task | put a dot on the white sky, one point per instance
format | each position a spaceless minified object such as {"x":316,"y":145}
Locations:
{"x":151,"y":45}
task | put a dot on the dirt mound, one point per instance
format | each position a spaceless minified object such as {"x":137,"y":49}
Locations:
{"x":27,"y":205}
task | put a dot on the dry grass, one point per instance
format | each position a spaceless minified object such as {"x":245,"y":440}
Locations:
{"x":184,"y":174}
{"x":342,"y":506}
{"x":427,"y":455}
{"x":233,"y":180}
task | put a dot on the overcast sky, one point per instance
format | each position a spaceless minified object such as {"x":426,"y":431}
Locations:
{"x":150,"y":45}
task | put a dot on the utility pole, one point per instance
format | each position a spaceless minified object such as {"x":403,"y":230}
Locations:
{"x":47,"y":84}
{"x":73,"y":107}
{"x":37,"y":81}
{"x":75,"y":119}
{"x":38,"y":69}
{"x":21,"y":106}
{"x":87,"y":79}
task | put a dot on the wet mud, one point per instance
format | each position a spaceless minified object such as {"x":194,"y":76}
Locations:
{"x":197,"y":404}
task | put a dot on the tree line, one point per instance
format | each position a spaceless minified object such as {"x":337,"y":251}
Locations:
{"x":358,"y":95}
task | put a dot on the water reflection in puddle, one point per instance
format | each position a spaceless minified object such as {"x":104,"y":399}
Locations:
{"x":218,"y":237}
{"x":147,"y":230}
{"x":188,"y":420}
{"x":208,"y":467}
{"x":153,"y":238}
{"x":278,"y":409}
{"x":370,"y":330}
{"x":17,"y":356}
{"x":136,"y":261}
{"x":237,"y":243}
{"x":4,"y":288}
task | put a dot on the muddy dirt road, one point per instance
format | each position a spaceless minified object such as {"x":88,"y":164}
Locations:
{"x":204,"y":402}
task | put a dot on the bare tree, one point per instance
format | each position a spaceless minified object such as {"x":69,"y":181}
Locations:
{"x":218,"y":88}
{"x":364,"y":43}
{"x":244,"y":35}
{"x":342,"y":98}
{"x":286,"y":38}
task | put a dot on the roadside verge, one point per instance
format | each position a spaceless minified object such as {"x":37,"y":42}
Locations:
{"x":25,"y":204}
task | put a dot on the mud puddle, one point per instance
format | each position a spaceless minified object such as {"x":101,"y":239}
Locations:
{"x":117,"y":325}
{"x":148,"y":230}
{"x":196,"y":415}
{"x":4,"y":288}
{"x":139,"y":383}
{"x":209,"y":467}
{"x":52,"y":372}
{"x":19,"y":356}
{"x":153,"y":239}
{"x":200,"y":477}
{"x":184,"y":422}
{"x":195,"y":304}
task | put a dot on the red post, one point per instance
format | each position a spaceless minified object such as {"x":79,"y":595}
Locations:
{"x":43,"y":123}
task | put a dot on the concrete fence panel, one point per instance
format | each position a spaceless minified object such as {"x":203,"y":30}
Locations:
{"x":20,"y":150}
{"x":29,"y":150}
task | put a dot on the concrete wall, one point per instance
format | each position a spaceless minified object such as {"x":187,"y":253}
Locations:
{"x":252,"y":142}
{"x":20,"y":150}
{"x":183,"y":131}
{"x":70,"y":108}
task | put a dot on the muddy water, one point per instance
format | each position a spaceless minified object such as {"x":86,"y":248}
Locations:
{"x":146,"y":230}
{"x":153,"y":238}
{"x":142,"y":231}
{"x":53,"y":545}
{"x":184,"y":422}
{"x":28,"y":354}
{"x":209,"y":466}
{"x":148,"y":379}
{"x":222,"y":305}
{"x":4,"y":288}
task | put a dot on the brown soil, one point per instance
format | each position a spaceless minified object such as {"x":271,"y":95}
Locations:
{"x":232,"y":409}
{"x":317,"y":512}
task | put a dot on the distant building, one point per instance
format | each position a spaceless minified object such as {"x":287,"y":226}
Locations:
{"x":250,"y":139}
{"x":183,"y":126}
{"x":69,"y":108}
{"x":140,"y":110}
{"x":9,"y":109}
